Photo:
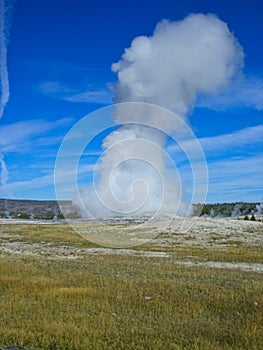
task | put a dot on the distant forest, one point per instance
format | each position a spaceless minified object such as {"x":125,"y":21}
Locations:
{"x":50,"y":210}
{"x":237,"y":209}
{"x":31,"y":209}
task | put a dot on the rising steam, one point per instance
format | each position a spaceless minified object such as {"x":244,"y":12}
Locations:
{"x":182,"y":59}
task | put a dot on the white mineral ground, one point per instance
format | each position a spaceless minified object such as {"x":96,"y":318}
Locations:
{"x":210,"y":233}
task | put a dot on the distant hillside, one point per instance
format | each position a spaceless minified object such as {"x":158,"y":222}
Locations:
{"x":50,"y":210}
{"x":31,"y":209}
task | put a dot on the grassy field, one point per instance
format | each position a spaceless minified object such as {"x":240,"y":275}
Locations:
{"x":126,"y":302}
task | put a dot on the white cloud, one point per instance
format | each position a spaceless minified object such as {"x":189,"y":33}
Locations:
{"x":40,"y":182}
{"x":28,"y":185}
{"x":232,"y":179}
{"x":244,"y":92}
{"x":235,"y":141}
{"x":15,"y":137}
{"x":235,"y":165}
{"x":99,"y":96}
{"x":53,"y":87}
{"x":60,"y":91}
{"x":235,"y":178}
{"x":238,"y":139}
{"x":6,"y":9}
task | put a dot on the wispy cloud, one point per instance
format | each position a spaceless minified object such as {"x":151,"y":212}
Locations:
{"x":100,"y":97}
{"x":41,"y":182}
{"x":33,"y":183}
{"x":232,"y":142}
{"x":244,"y":92}
{"x":14,"y":137}
{"x":236,"y":140}
{"x":236,"y":178}
{"x":53,"y":88}
{"x":34,"y":145}
{"x":4,"y":171}
{"x":5,"y":12}
{"x":5,"y":21}
{"x":232,"y":179}
{"x":60,"y":91}
{"x":234,"y":163}
{"x":3,"y":77}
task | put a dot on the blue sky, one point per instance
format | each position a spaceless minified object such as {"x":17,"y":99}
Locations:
{"x":59,"y":63}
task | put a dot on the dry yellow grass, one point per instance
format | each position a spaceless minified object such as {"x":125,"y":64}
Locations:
{"x":124,"y":302}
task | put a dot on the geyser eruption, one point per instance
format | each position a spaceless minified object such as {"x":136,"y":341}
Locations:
{"x":133,"y":175}
{"x":181,"y":60}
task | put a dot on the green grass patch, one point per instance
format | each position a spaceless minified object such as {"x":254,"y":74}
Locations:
{"x":231,"y":252}
{"x":53,"y":234}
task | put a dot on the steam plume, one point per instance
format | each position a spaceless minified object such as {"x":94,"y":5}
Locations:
{"x":182,"y":59}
